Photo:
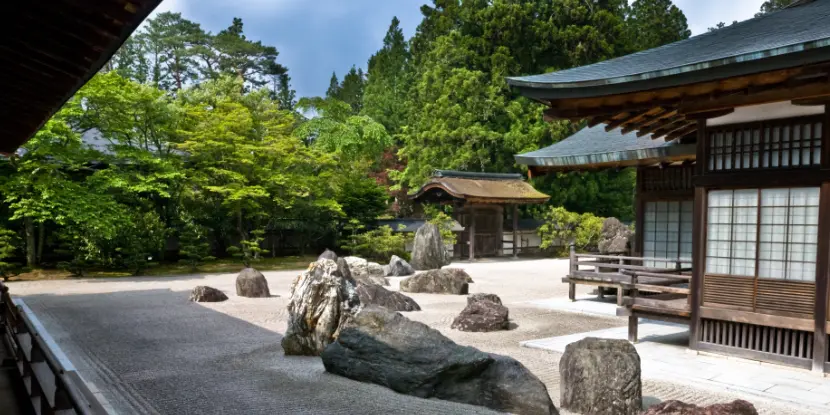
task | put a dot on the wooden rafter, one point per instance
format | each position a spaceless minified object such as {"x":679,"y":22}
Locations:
{"x":649,"y":121}
{"x":631,"y":117}
{"x":681,"y":132}
{"x":761,"y":95}
{"x":671,"y":128}
{"x":656,"y":126}
{"x":595,"y":121}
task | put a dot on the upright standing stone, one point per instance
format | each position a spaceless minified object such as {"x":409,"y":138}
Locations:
{"x":428,"y":251}
{"x":328,"y":254}
{"x":251,"y":283}
{"x":322,"y":300}
{"x":614,"y":237}
{"x":601,"y":377}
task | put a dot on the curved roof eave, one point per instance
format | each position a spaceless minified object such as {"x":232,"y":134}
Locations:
{"x":523,"y":82}
{"x":665,"y":152}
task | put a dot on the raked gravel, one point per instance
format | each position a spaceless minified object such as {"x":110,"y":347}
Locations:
{"x":150,"y":351}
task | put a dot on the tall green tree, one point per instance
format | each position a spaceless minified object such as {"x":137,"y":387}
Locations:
{"x":245,"y":59}
{"x":653,"y":23}
{"x":171,"y":39}
{"x":770,"y":6}
{"x":387,"y":84}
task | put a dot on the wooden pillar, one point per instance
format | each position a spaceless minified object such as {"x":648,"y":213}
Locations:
{"x":822,"y":261}
{"x":640,"y":213}
{"x":500,"y":232}
{"x":472,"y":232}
{"x":698,"y":238}
{"x":571,"y":272}
{"x":633,"y":321}
{"x":516,"y":242}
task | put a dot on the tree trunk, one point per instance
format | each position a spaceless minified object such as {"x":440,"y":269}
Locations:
{"x":41,"y":237}
{"x":31,"y":242}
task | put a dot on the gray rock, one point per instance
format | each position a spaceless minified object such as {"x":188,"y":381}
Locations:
{"x":614,"y":237}
{"x":737,"y":407}
{"x":365,"y":271}
{"x":372,"y":294}
{"x":328,"y":254}
{"x":428,"y":251}
{"x":472,"y":298}
{"x":345,"y":271}
{"x":602,"y":377}
{"x":321,"y":302}
{"x":383,"y":347}
{"x":460,"y":273}
{"x":387,"y":270}
{"x":398,"y":267}
{"x":251,"y":283}
{"x":436,"y":281}
{"x":482,"y":316}
{"x":205,"y":294}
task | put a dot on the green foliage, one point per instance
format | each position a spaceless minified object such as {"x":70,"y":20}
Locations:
{"x":8,"y":249}
{"x":362,"y":199}
{"x":606,"y":193}
{"x":250,"y":250}
{"x":770,"y":6}
{"x":441,"y":216}
{"x":194,"y":246}
{"x":378,"y":244}
{"x":561,"y":228}
{"x":139,"y":241}
{"x":653,"y":23}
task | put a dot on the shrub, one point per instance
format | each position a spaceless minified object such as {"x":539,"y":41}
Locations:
{"x":377,"y":244}
{"x":249,"y":250}
{"x":8,"y":247}
{"x":194,"y":248}
{"x":562,"y":228}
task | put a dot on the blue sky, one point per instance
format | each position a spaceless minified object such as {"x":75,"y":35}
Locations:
{"x":316,"y":37}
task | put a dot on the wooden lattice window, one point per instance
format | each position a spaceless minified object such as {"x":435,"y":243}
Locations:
{"x":667,"y":232}
{"x":765,"y":145}
{"x":765,"y":233}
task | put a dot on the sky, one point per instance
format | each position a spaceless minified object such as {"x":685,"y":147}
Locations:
{"x":317,"y":37}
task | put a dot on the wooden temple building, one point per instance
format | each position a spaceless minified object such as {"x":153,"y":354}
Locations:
{"x":479,"y":201}
{"x":728,"y":131}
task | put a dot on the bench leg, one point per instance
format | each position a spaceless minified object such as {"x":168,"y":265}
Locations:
{"x":632,"y":328}
{"x":600,"y":292}
{"x":619,"y":296}
{"x":572,"y":291}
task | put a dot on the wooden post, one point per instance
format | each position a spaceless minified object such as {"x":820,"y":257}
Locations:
{"x":633,"y":320}
{"x":572,"y":271}
{"x":500,"y":232}
{"x":516,"y":231}
{"x":472,"y":233}
{"x":822,"y":261}
{"x":698,"y":238}
{"x":620,"y":289}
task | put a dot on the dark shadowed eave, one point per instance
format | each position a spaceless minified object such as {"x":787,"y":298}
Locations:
{"x":51,"y":49}
{"x":795,"y":36}
{"x":595,"y":148}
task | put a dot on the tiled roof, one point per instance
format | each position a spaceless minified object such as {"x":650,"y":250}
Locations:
{"x":483,"y":187}
{"x":595,"y":146}
{"x":803,"y":26}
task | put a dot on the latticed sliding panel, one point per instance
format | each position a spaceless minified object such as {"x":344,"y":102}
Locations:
{"x":673,"y":178}
{"x":765,"y":145}
{"x":786,"y":296}
{"x":728,"y":290}
{"x":784,"y":342}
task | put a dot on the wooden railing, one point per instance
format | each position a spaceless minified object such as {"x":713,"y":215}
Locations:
{"x":51,"y":381}
{"x":625,"y":275}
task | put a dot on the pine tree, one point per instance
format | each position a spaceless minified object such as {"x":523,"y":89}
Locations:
{"x":334,"y":87}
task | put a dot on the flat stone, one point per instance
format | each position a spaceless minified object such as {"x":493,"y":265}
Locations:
{"x":373,"y":294}
{"x":436,"y":281}
{"x":205,"y":294}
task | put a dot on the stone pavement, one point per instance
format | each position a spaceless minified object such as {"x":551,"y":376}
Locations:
{"x":664,"y":356}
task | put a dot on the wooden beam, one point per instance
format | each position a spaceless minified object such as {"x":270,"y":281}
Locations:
{"x":811,"y":102}
{"x":660,"y":115}
{"x":678,"y":119}
{"x":677,"y":127}
{"x":710,"y":114}
{"x":631,"y":117}
{"x":595,"y":121}
{"x":782,"y":92}
{"x":682,"y":132}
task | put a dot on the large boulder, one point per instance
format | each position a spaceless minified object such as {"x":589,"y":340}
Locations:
{"x":614,"y":237}
{"x":737,"y":407}
{"x":321,"y":302}
{"x":436,"y":281}
{"x":458,"y":272}
{"x":601,"y":377}
{"x":398,"y":267}
{"x":383,"y":347}
{"x":482,"y":315}
{"x":472,"y":298}
{"x":365,"y":271}
{"x":428,"y":251}
{"x":372,"y":294}
{"x":328,"y":254}
{"x":205,"y":294}
{"x":251,"y":283}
